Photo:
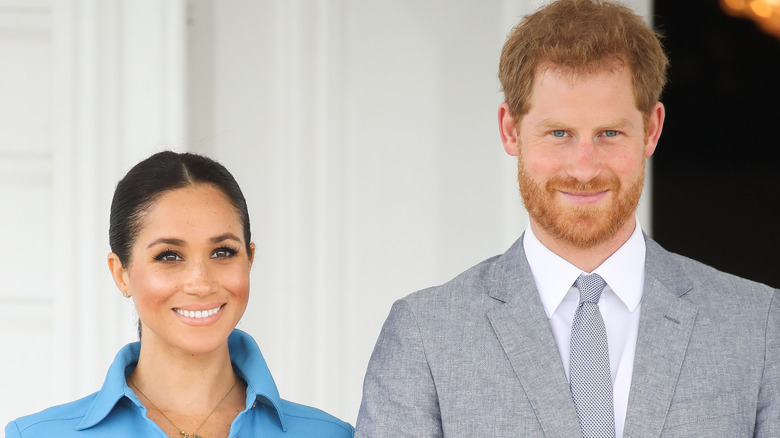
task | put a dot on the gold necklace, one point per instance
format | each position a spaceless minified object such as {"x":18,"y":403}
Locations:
{"x":181,"y":431}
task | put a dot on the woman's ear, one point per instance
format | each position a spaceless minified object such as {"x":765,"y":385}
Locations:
{"x":119,"y":274}
{"x":251,"y":254}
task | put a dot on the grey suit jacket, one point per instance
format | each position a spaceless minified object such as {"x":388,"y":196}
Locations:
{"x":476,"y":357}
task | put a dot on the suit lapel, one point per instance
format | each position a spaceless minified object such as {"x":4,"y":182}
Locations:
{"x":525,"y":335}
{"x":665,"y":327}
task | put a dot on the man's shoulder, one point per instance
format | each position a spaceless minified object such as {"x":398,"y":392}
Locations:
{"x":707,"y":280}
{"x":302,"y":420}
{"x":54,"y":421}
{"x":470,"y":288}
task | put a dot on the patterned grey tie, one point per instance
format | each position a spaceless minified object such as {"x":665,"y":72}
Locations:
{"x":589,"y":374}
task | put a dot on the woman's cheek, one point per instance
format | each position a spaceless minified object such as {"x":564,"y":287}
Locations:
{"x":155,"y":283}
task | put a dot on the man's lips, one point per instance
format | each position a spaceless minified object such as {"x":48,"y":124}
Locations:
{"x":584,"y":197}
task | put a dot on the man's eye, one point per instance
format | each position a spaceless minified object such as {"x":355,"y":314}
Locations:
{"x":222,"y":253}
{"x":559,"y":133}
{"x":610,"y":133}
{"x":168,"y":256}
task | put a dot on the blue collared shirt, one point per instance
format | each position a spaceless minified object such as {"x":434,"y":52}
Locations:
{"x":116,"y":412}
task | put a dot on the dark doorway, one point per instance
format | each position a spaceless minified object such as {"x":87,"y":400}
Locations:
{"x":716,"y":172}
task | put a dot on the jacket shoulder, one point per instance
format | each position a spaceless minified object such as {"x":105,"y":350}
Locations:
{"x":473,"y":282}
{"x":54,"y":421}
{"x":707,"y":274}
{"x":706,"y":281}
{"x":307,"y":421}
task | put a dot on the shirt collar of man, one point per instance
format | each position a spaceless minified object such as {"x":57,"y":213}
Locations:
{"x":624,"y":271}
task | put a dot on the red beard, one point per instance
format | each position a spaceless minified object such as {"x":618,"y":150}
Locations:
{"x":581,"y":226}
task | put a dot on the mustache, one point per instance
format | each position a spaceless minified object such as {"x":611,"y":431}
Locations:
{"x":573,"y":185}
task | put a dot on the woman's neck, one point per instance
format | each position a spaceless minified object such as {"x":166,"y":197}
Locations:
{"x":177,"y":381}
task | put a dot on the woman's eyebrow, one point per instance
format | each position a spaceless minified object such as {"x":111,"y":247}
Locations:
{"x":167,"y":240}
{"x":180,"y":242}
{"x":226,"y":236}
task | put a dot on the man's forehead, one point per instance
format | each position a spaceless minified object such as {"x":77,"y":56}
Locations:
{"x":614,"y":65}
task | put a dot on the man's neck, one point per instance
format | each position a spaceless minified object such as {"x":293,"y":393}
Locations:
{"x":587,"y":259}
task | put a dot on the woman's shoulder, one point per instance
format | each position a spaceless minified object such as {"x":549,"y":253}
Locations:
{"x":54,"y":421}
{"x":296,"y":420}
{"x":308,"y":421}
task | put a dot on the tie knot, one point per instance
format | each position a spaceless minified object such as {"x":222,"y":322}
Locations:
{"x":590,"y":287}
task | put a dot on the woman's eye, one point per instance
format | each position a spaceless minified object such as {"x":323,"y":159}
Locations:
{"x":610,"y":133}
{"x":168,"y":256}
{"x":559,"y":133}
{"x":223,"y":253}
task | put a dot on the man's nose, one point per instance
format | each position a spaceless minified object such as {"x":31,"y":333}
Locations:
{"x":584,"y":163}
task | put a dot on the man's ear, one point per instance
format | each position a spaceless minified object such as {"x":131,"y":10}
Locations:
{"x":508,"y":129}
{"x":655,"y":124}
{"x":119,"y":274}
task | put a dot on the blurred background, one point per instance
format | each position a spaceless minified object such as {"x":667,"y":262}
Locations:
{"x":364,"y":135}
{"x":716,"y":191}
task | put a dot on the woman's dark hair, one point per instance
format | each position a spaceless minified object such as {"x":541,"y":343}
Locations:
{"x":152,"y":177}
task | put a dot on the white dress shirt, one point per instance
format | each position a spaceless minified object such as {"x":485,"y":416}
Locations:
{"x":624,"y":273}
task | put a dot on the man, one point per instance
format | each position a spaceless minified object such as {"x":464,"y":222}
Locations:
{"x":585,"y":326}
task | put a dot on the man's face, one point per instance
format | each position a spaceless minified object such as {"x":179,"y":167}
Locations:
{"x":581,"y":155}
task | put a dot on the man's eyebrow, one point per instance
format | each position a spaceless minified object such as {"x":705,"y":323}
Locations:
{"x":552,"y":124}
{"x":618,"y":124}
{"x":168,"y":241}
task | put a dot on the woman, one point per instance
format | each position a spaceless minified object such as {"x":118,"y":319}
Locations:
{"x":181,"y":249}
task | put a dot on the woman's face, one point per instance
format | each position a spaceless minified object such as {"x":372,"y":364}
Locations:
{"x":188,"y":273}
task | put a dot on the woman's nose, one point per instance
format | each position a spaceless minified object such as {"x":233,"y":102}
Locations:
{"x":200,"y":280}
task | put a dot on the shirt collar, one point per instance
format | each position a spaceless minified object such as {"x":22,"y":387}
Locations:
{"x":623,"y":271}
{"x":247,"y":361}
{"x":250,"y":365}
{"x":114,"y":387}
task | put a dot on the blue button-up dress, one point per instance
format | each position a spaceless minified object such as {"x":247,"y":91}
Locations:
{"x":115,"y":411}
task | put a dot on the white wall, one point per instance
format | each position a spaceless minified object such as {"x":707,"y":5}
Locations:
{"x":87,"y":88}
{"x":365,"y":137}
{"x":363,"y":133}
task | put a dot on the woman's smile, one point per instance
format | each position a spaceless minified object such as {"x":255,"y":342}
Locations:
{"x":199,"y":317}
{"x":189,"y":274}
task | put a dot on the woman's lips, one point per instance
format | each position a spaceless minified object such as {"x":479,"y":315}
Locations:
{"x":199,"y":314}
